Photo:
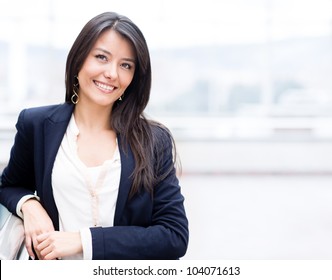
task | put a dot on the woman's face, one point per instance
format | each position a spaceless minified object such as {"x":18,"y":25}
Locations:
{"x":107,"y":71}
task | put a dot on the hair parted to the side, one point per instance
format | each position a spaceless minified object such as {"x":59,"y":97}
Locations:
{"x":127,"y":117}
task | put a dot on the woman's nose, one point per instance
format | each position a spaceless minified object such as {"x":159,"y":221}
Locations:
{"x":111,"y":71}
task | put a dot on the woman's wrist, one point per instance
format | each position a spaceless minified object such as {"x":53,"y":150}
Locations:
{"x":31,"y":202}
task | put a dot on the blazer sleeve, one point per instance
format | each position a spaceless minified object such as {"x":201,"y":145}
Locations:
{"x":17,"y":179}
{"x":165,"y":237}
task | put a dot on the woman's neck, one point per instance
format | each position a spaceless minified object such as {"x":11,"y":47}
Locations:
{"x":93,"y":118}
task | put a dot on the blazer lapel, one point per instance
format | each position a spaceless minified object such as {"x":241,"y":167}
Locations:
{"x":127,"y":167}
{"x":55,"y":127}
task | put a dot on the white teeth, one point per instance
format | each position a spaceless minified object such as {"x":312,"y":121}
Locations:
{"x":103,"y":86}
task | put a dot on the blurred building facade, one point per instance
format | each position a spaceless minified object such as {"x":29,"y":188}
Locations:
{"x":267,"y":76}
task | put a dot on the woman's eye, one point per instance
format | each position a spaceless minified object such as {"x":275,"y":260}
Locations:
{"x":126,"y":66}
{"x":101,"y":57}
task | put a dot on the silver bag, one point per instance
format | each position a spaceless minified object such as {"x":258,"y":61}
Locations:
{"x":11,"y":236}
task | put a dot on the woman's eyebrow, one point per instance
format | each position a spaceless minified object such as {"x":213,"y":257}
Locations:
{"x":103,"y":50}
{"x":109,"y":53}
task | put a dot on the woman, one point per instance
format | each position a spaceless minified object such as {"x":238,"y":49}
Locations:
{"x":93,"y":178}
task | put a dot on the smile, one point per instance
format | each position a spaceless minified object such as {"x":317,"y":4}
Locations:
{"x":104,"y":86}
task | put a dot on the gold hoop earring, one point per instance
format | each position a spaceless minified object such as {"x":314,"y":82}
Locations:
{"x":75,"y":98}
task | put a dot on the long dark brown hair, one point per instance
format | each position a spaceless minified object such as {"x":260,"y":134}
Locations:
{"x":128,"y":120}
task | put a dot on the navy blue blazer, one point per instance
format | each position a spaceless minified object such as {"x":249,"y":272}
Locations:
{"x":145,"y":226}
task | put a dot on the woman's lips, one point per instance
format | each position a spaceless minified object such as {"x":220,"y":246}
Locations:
{"x":103,"y":86}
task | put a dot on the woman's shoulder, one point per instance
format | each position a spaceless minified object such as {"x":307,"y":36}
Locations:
{"x":161,"y":135}
{"x":159,"y":130}
{"x":45,"y":110}
{"x":54,"y":112}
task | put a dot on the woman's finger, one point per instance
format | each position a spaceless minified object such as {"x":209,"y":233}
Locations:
{"x":29,"y":247}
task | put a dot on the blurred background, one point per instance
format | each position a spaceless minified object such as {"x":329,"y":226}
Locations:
{"x":244,"y":85}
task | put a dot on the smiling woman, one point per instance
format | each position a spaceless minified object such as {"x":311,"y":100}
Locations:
{"x":107,"y":71}
{"x":93,"y":178}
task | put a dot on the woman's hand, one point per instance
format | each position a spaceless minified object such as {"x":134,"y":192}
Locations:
{"x":57,"y":244}
{"x":36,"y":222}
